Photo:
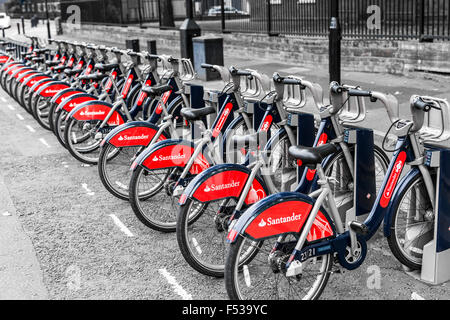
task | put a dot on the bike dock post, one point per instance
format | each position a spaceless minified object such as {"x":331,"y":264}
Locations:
{"x":436,"y":253}
{"x":305,"y":133}
{"x":364,"y":189}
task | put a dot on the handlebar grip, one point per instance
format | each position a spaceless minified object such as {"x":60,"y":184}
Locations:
{"x":207,"y":66}
{"x":422,"y":105}
{"x":359,"y":93}
{"x":238,"y":72}
{"x":336,"y":88}
{"x":152,"y":56}
{"x":279,"y":79}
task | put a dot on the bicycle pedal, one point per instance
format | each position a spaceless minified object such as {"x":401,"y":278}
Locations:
{"x":359,"y":228}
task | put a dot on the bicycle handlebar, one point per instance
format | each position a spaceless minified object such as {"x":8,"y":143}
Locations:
{"x":239,"y":72}
{"x":286,"y":80}
{"x":422,"y":105}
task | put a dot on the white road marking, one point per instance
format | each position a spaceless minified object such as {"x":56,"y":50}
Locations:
{"x":10,"y":107}
{"x":3,"y":99}
{"x":30,"y":128}
{"x":197,"y":247}
{"x":42,"y":140}
{"x":247,"y":276}
{"x":416,"y":296}
{"x":173,"y":282}
{"x":120,"y":184}
{"x":20,"y":116}
{"x":89,"y":191}
{"x":121,"y":226}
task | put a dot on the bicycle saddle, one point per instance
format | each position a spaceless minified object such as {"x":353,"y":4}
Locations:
{"x":106,"y":67}
{"x":157,"y":90}
{"x":312,"y":155}
{"x":71,"y":72}
{"x":39,"y":51}
{"x":9,"y":49}
{"x":59,"y":68}
{"x":38,"y":59}
{"x":196,"y":114}
{"x":252,"y":139}
{"x":94,"y":76}
{"x":51,"y":63}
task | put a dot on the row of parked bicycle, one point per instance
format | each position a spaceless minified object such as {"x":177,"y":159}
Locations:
{"x":264,"y":183}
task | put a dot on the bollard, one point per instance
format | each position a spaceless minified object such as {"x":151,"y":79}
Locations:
{"x":151,"y":46}
{"x":207,"y":49}
{"x":3,"y":32}
{"x":23,"y":24}
{"x":133,"y":44}
{"x":18,"y":28}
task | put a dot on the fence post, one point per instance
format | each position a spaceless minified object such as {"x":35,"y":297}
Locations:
{"x":222,"y":14}
{"x":269,"y":17}
{"x":335,"y":43}
{"x":159,"y":13}
{"x":421,"y":19}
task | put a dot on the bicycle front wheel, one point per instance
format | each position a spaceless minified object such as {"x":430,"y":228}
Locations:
{"x":264,"y":277}
{"x":412,"y":224}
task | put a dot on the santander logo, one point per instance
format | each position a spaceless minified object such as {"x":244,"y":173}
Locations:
{"x":92,"y":113}
{"x":52,"y":91}
{"x":128,"y":138}
{"x":171,"y":157}
{"x":214,"y":187}
{"x":281,"y":220}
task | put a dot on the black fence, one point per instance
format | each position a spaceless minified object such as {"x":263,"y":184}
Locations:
{"x":29,"y":8}
{"x":386,"y":19}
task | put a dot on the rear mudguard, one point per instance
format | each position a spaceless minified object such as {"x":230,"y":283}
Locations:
{"x":31,"y":80}
{"x":38,"y":84}
{"x":412,"y":174}
{"x":224,"y":181}
{"x":96,"y":110}
{"x":48,"y":90}
{"x":74,"y":101}
{"x":64,"y":94}
{"x":15,"y":68}
{"x":25,"y":75}
{"x":170,"y":154}
{"x":279,"y":214}
{"x":16,"y":74}
{"x":10,"y":65}
{"x":4,"y":58}
{"x":136,"y":133}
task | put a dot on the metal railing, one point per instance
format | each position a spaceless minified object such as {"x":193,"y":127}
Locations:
{"x":383,"y":19}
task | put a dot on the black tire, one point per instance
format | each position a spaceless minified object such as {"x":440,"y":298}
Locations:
{"x":117,"y":188}
{"x":405,"y":254}
{"x":203,"y":252}
{"x":59,"y":126}
{"x":89,"y":151}
{"x":40,"y":110}
{"x":164,"y":206}
{"x":234,"y":270}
